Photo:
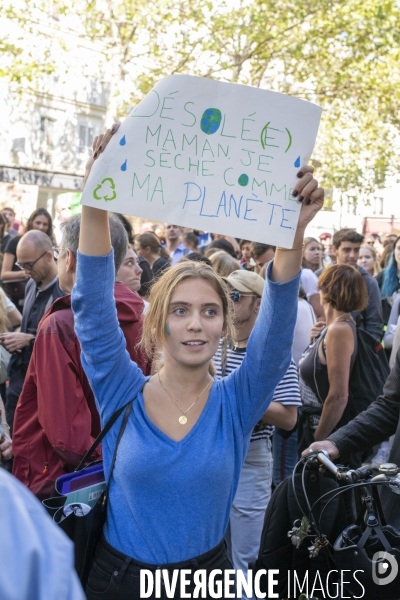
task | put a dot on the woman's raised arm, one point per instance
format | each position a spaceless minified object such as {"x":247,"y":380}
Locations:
{"x":287,"y":262}
{"x":269,"y":348}
{"x":114,"y":378}
{"x":94,"y":238}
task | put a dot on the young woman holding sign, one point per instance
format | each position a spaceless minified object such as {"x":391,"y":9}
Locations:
{"x":180,"y":456}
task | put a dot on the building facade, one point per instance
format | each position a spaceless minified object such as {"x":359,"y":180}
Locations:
{"x":48,"y":126}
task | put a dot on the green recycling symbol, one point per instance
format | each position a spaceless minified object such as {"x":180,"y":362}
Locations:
{"x":108,"y":193}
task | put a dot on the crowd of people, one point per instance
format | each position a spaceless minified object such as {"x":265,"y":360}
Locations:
{"x":238,"y":356}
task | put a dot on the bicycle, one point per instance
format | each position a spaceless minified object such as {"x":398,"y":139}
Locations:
{"x":369,"y":546}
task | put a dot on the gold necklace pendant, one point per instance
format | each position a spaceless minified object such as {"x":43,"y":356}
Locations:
{"x":183,"y":418}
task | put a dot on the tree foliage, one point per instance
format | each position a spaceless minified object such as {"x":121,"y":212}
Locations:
{"x":342,"y":54}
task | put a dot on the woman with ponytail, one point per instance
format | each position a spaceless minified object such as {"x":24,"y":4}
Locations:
{"x":148,"y":246}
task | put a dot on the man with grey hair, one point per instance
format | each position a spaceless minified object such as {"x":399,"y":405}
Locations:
{"x":56,"y":419}
{"x":35,"y":256}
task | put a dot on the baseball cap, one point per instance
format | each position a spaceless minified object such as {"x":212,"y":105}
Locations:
{"x":325,"y":235}
{"x":246,"y":281}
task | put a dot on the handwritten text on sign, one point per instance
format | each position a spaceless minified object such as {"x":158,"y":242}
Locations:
{"x":209,"y":155}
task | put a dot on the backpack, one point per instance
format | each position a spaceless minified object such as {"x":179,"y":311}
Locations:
{"x":276,"y":548}
{"x":368,"y":375}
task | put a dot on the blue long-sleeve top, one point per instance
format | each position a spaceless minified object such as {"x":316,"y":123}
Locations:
{"x":169,"y":501}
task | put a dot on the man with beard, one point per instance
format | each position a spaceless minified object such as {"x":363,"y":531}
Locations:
{"x":175,"y":247}
{"x":35,"y":256}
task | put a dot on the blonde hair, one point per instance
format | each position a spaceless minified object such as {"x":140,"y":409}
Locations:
{"x":210,"y":251}
{"x":154,"y":325}
{"x":224,"y":264}
{"x":4,"y":320}
{"x":372,"y":251}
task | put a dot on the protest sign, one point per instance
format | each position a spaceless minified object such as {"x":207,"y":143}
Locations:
{"x":209,"y":155}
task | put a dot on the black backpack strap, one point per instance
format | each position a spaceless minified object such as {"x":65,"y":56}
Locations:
{"x":104,"y":432}
{"x":121,"y":432}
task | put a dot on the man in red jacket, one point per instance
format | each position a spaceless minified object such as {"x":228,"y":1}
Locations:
{"x":56,"y":419}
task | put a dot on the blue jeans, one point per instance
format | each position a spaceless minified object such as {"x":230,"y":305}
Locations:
{"x":285,"y":456}
{"x":249,"y":505}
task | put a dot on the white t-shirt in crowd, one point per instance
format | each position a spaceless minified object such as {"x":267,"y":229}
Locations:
{"x":304,"y":323}
{"x":309,"y":282}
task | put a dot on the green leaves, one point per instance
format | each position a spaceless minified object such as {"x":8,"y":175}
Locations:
{"x":341,"y":54}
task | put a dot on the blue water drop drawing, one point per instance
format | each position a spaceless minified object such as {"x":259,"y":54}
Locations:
{"x":123,"y":167}
{"x":297,"y":163}
{"x":122,"y":141}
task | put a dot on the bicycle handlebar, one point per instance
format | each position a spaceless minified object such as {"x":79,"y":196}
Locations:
{"x":388,"y":472}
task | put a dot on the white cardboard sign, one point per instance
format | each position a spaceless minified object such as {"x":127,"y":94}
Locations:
{"x":209,"y":155}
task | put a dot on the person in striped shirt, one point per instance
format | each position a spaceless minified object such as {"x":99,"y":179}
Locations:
{"x":254,"y":490}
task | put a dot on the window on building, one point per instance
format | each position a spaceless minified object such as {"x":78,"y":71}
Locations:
{"x":86,"y":136}
{"x":47,"y":130}
{"x":352,"y":205}
{"x":378,"y":206}
{"x":18,"y":145}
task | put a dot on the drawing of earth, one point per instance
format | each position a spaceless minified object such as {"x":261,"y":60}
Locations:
{"x":211,"y":120}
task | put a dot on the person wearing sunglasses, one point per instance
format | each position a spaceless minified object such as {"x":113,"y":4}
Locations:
{"x":35,"y":257}
{"x":14,"y":282}
{"x":254,"y":489}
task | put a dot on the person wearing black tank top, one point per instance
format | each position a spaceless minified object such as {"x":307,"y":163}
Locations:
{"x":326,"y":365}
